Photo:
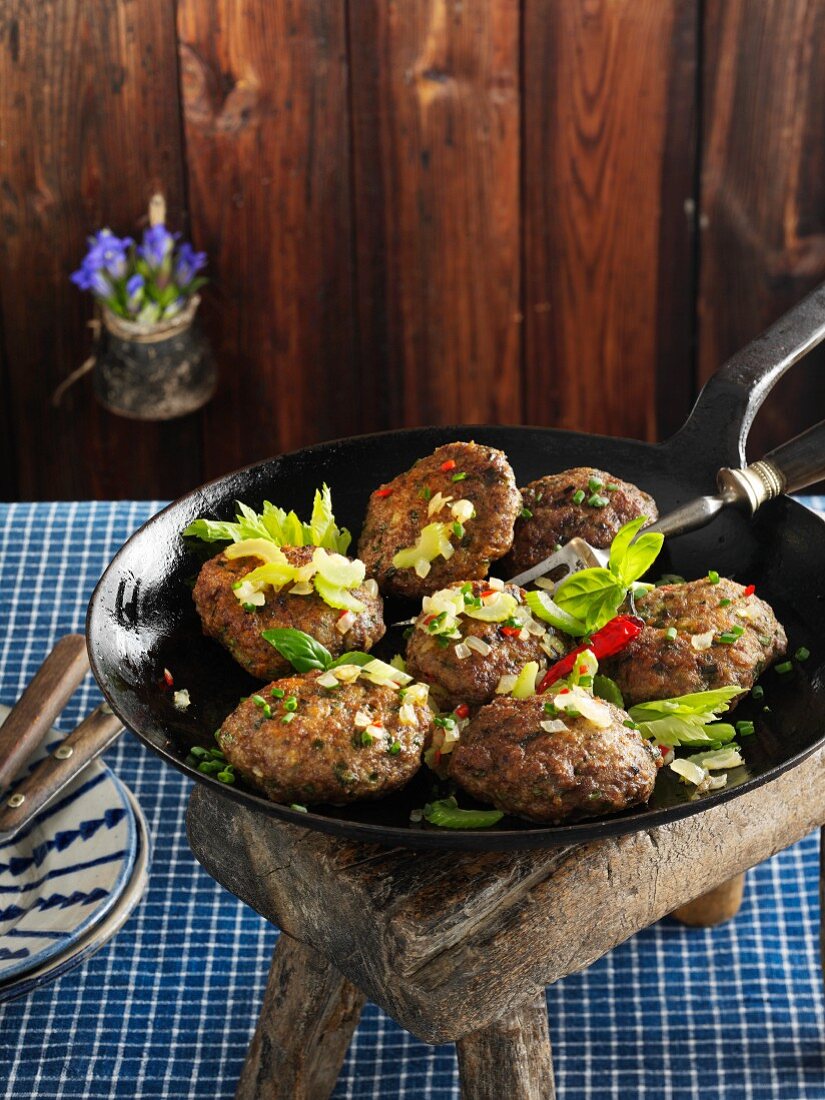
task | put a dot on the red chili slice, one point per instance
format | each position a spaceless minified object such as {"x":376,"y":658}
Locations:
{"x":430,"y":619}
{"x":511,"y":631}
{"x":611,"y":639}
{"x":448,"y":465}
{"x":749,"y":591}
{"x":462,"y":711}
{"x":488,"y":592}
{"x":382,"y":492}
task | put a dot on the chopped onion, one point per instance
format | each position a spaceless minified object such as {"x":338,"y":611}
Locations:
{"x":181,"y":699}
{"x":595,"y":713}
{"x":545,"y":583}
{"x":437,"y":503}
{"x":362,"y":720}
{"x":381,"y":672}
{"x":417,"y":693}
{"x":553,"y":725}
{"x":523,"y":634}
{"x":702,"y":641}
{"x":375,"y":731}
{"x":248,"y":592}
{"x":462,"y":651}
{"x":422,"y":567}
{"x":506,"y":684}
{"x":328,"y":680}
{"x":347,"y":674}
{"x":715,"y":782}
{"x":478,"y":644}
{"x":552,"y":646}
{"x":345,"y":622}
{"x":371,"y":587}
{"x":407,"y":715}
{"x":496,"y":584}
{"x":462,"y":510}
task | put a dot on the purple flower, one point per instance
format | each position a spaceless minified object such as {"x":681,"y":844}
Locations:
{"x":157,"y":245}
{"x":134,"y":293}
{"x":188,"y":263}
{"x":109,"y":253}
{"x":90,"y":277}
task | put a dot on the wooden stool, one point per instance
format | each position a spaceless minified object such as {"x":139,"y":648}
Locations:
{"x":460,"y":946}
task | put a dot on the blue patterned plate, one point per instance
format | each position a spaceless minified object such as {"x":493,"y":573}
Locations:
{"x":65,"y":871}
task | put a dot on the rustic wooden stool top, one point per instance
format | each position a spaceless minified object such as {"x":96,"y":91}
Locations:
{"x":460,"y":946}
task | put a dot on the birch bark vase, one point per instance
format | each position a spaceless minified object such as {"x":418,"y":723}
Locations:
{"x":154,"y":372}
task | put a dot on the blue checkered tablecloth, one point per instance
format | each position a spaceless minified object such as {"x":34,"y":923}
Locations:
{"x":167,"y":1009}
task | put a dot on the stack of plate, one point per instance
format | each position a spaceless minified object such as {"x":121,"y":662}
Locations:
{"x":70,"y":879}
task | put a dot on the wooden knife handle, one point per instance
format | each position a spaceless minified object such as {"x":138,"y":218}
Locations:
{"x":33,"y":716}
{"x":94,"y":734}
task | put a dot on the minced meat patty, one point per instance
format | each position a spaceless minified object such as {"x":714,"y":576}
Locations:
{"x":321,"y":755}
{"x":555,"y":519}
{"x":507,"y":759}
{"x":224,"y":618}
{"x":473,"y":679}
{"x":399,"y":510}
{"x":654,"y":666}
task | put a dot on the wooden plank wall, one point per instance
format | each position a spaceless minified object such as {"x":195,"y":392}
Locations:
{"x":564,"y":212}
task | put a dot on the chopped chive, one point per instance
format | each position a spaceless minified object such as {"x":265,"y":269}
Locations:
{"x":395,"y":748}
{"x":726,"y":638}
{"x":465,"y":588}
{"x":745,"y":728}
{"x":277,"y":693}
{"x":596,"y":501}
{"x":766,"y":710}
{"x":572,"y":712}
{"x":670,"y":633}
{"x":267,"y":709}
{"x":549,"y":709}
{"x":538,"y":497}
{"x":758,"y":691}
{"x":426,"y":493}
{"x":594,"y":484}
{"x":291,"y":703}
{"x":458,"y":530}
{"x":216,"y":754}
{"x":526,"y":513}
{"x":258,"y":700}
{"x":408,"y":632}
{"x":713,"y":576}
{"x":210,"y":767}
{"x":297,"y":806}
{"x":579,"y":496}
{"x":725,"y":603}
{"x":366,"y":738}
{"x":556,"y":548}
{"x":249,"y":607}
{"x":631,"y":725}
{"x":288,"y":717}
{"x":197,"y":750}
{"x":612,"y":488}
{"x":236,"y":585}
{"x":458,"y":477}
{"x":226,"y":776}
{"x":803,"y":653}
{"x":784,"y":668}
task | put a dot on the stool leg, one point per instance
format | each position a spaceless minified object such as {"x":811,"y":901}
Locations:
{"x":307,"y":1019}
{"x":511,"y":1058}
{"x":715,"y":907}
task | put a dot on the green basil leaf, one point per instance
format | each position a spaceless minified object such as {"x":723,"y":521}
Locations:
{"x":354,"y":658}
{"x":301,"y":650}
{"x":593,"y":596}
{"x":447,"y":814}
{"x":620,"y":544}
{"x":608,"y":689}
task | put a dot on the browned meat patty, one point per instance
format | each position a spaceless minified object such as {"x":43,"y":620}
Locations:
{"x":555,"y":518}
{"x":224,"y":619}
{"x":432,"y":657}
{"x":654,"y":666}
{"x":506,"y":758}
{"x":399,"y":510}
{"x":324,"y":754}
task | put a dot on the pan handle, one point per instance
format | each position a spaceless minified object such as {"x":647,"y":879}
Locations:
{"x":718,"y":425}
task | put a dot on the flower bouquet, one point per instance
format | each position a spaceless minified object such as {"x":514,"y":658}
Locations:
{"x":151,"y":361}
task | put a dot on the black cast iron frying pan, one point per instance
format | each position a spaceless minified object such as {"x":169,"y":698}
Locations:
{"x":141,"y":618}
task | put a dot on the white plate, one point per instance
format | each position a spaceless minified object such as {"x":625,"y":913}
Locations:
{"x":64,"y":872}
{"x":101,"y":933}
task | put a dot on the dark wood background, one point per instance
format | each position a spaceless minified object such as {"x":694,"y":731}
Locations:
{"x":563,"y":212}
